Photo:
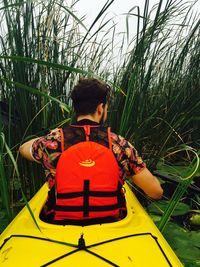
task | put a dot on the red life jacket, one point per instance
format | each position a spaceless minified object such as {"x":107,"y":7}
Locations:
{"x":88,"y":184}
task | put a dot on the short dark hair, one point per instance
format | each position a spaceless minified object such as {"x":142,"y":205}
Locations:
{"x":88,"y":94}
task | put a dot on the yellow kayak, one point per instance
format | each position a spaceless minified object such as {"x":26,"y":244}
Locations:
{"x":134,"y":241}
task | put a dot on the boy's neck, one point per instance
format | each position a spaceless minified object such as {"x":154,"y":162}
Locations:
{"x":88,"y":117}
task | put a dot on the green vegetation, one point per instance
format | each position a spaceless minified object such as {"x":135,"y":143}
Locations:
{"x":45,"y":47}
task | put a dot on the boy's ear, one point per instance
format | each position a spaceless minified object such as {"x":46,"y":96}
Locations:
{"x":100,"y":108}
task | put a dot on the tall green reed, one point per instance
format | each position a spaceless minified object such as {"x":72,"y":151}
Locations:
{"x":4,"y":182}
{"x":161,"y":99}
{"x":44,"y":48}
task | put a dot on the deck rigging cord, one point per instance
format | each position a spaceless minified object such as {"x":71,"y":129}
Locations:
{"x":82,"y":247}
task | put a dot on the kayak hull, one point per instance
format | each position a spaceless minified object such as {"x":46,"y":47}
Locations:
{"x":133,"y":241}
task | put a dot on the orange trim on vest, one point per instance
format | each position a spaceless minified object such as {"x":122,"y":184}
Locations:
{"x":86,"y":129}
{"x":87,"y":132}
{"x":62,"y":139}
{"x":109,"y":139}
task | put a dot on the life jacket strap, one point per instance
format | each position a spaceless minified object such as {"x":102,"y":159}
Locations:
{"x":86,"y":194}
{"x":86,"y":190}
{"x":91,"y":193}
{"x":90,"y":208}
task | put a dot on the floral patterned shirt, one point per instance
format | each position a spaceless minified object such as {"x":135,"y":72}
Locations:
{"x":47,"y":151}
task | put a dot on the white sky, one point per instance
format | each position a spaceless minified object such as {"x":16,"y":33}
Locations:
{"x":118,"y":11}
{"x":118,"y":7}
{"x":91,"y":8}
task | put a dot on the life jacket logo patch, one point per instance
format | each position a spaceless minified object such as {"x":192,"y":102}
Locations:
{"x":87,"y":163}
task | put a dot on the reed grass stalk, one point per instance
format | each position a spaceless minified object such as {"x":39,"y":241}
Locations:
{"x":180,"y":189}
{"x":4,"y":182}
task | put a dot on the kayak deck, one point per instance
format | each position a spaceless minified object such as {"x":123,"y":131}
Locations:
{"x":133,"y":241}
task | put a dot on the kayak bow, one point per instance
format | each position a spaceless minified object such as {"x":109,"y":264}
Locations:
{"x":133,"y":241}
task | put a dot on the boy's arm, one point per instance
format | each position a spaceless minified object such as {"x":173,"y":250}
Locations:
{"x":26,"y":149}
{"x":148,"y":183}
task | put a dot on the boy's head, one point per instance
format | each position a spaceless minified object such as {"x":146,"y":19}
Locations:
{"x":88,"y":94}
